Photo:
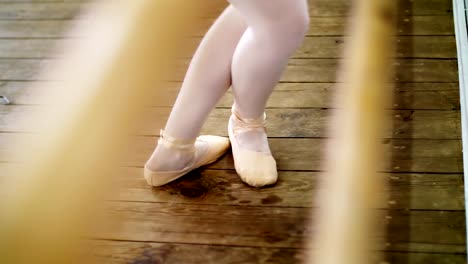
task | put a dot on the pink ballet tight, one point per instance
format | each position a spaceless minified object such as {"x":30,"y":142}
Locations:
{"x":276,"y":29}
{"x":248,"y":48}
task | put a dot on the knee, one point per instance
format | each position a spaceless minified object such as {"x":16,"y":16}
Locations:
{"x":298,"y":23}
{"x":290,"y":29}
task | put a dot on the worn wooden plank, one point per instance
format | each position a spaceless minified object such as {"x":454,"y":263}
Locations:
{"x":410,"y":70}
{"x":416,"y":155}
{"x":38,"y":10}
{"x":27,"y":93}
{"x":320,"y":26}
{"x":406,"y":191}
{"x":435,"y":96}
{"x":303,"y":123}
{"x":298,"y":70}
{"x":26,"y":69}
{"x":415,"y":70}
{"x":275,"y":227}
{"x":116,"y":252}
{"x":318,"y":95}
{"x":426,"y":46}
{"x":313,"y":47}
{"x":139,"y":252}
{"x":30,"y":48}
{"x":26,"y":48}
{"x":426,"y":96}
{"x":34,"y":29}
{"x":407,"y":47}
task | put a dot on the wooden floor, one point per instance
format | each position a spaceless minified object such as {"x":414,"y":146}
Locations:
{"x":210,"y":216}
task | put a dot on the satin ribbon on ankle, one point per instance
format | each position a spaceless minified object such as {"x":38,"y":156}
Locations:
{"x":248,"y":124}
{"x":176,"y":143}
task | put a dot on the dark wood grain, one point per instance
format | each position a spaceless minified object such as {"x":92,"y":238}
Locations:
{"x":276,"y":227}
{"x":415,"y":191}
{"x":119,"y":252}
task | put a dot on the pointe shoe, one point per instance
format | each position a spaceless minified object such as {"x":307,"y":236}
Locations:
{"x":216,"y":147}
{"x":255,"y":168}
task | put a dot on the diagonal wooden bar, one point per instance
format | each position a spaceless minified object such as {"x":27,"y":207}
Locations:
{"x":345,"y":218}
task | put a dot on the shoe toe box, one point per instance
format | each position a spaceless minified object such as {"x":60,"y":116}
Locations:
{"x":217,"y":145}
{"x":258,"y":170}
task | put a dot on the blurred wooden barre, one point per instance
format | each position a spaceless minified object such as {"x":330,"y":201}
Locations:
{"x":345,"y":223}
{"x":104,"y":78}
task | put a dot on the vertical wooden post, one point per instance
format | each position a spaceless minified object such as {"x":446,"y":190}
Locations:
{"x":103,"y":78}
{"x":345,"y":222}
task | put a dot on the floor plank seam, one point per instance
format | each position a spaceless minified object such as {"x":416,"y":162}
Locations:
{"x":186,"y":243}
{"x":268,"y":206}
{"x":266,"y":247}
{"x":283,"y":170}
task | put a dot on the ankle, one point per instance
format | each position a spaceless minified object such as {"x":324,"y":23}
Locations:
{"x":171,"y":154}
{"x":245,"y":116}
{"x":241,"y":124}
{"x":250,"y":133}
{"x":169,"y":159}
